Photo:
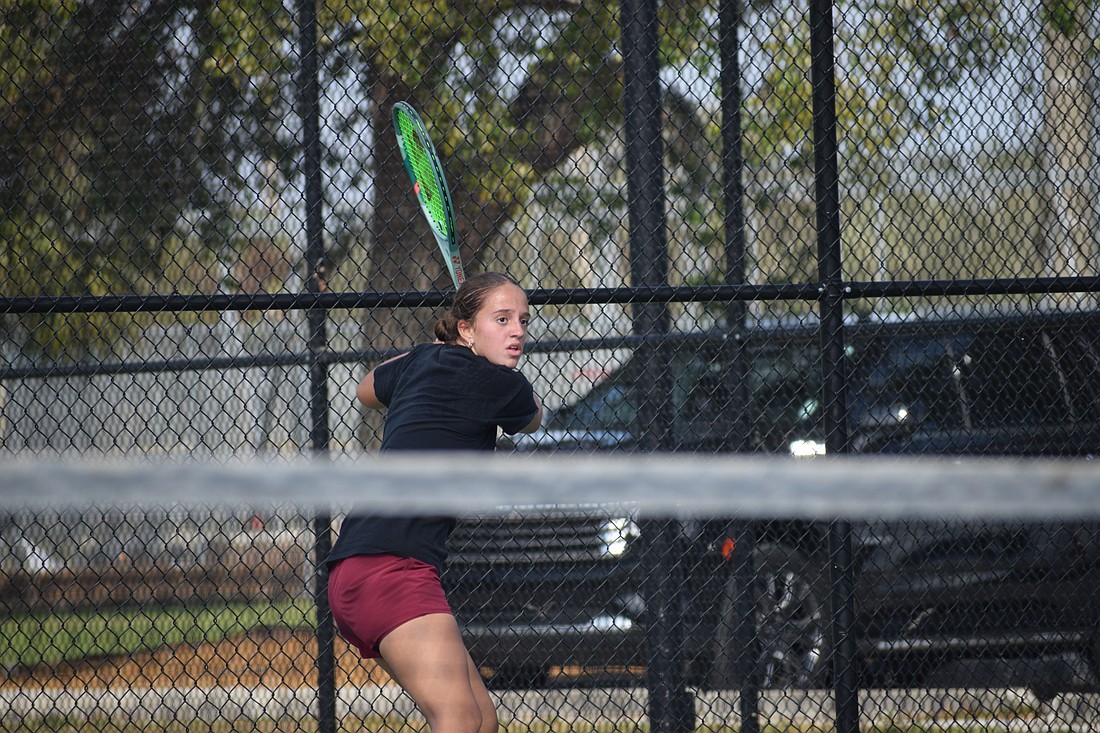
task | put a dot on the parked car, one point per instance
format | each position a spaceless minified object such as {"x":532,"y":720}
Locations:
{"x":565,"y":585}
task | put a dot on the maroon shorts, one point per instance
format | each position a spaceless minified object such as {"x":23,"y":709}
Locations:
{"x":371,"y":595}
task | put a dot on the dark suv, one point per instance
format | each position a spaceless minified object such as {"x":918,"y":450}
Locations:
{"x":564,"y":585}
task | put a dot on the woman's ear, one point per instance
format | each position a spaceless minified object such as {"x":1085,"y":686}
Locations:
{"x":465,"y":333}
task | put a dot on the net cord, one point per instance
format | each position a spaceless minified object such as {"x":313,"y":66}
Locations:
{"x":665,"y":485}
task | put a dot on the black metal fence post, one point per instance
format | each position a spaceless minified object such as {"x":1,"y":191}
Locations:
{"x":645,"y":162}
{"x":834,"y":379}
{"x":671,"y":705}
{"x":733,"y":201}
{"x":671,"y":708}
{"x":309,"y":89}
{"x":733,"y":193}
{"x":744,"y":632}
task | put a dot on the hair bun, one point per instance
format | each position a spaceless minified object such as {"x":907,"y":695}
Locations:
{"x":446,"y":329}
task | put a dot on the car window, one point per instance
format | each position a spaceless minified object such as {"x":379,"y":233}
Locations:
{"x":899,"y":384}
{"x":701,"y":401}
{"x":610,"y":408}
{"x":697,"y":399}
{"x":1078,"y":356}
{"x":784,"y":384}
{"x":1013,"y":379}
{"x":908,"y":378}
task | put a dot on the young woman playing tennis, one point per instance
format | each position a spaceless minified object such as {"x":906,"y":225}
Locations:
{"x":384,"y":586}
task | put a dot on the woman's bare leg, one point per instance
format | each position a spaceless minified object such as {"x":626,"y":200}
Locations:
{"x":427,"y":657}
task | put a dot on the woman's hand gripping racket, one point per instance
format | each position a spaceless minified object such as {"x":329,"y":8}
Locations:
{"x":429,"y":185}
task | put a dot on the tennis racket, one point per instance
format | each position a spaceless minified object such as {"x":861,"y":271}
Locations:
{"x":429,"y":185}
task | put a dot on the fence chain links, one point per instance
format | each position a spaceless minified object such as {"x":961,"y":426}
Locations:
{"x":157,"y":292}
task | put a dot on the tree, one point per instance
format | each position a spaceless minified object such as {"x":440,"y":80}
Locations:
{"x":446,"y":59}
{"x":1070,"y":138}
{"x":125,"y":129}
{"x":895,"y":63}
{"x":136,"y":129}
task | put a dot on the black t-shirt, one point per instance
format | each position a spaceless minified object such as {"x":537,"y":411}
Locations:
{"x":439,"y":398}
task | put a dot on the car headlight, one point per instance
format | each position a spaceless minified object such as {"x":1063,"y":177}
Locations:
{"x":803,"y":448}
{"x":616,"y":534}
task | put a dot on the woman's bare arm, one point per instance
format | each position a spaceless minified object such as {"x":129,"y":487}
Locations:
{"x":365,"y":391}
{"x":537,"y":420}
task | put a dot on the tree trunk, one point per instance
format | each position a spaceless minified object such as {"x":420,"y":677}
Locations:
{"x":1068,"y":140}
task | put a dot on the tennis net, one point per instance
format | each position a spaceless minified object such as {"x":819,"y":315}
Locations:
{"x":596,"y":592}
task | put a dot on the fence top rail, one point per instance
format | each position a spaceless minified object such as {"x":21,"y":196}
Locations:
{"x":23,"y":305}
{"x":658,"y":484}
{"x":757,"y":331}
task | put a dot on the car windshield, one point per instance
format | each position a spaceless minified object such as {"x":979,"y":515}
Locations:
{"x":781,"y":384}
{"x":900,"y":384}
{"x":610,"y":408}
{"x":909,"y":379}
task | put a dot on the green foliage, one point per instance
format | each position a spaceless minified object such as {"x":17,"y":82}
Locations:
{"x":58,"y":723}
{"x":1065,"y":16}
{"x":34,"y":639}
{"x":133,"y":133}
{"x":119,"y":125}
{"x":947,"y":39}
{"x":496,"y":150}
{"x":892,"y":60}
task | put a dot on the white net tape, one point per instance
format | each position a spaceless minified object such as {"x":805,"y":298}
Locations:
{"x":817,"y":488}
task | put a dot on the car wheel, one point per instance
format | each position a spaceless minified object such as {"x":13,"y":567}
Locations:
{"x":792,"y":622}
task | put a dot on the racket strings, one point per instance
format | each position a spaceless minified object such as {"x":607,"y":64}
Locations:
{"x":426,"y":186}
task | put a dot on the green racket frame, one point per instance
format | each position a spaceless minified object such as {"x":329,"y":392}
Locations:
{"x":430,"y":186}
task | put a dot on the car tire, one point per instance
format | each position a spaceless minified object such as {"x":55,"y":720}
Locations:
{"x":792,"y":623}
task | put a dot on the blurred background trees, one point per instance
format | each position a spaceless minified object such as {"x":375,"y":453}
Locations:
{"x":153,"y":147}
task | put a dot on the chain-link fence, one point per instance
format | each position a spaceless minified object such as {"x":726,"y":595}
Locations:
{"x":850,"y":227}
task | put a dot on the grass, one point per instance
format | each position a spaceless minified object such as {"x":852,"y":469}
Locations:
{"x":32,"y":639}
{"x":59,"y":724}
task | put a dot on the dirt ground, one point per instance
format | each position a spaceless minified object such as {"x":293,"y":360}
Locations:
{"x":273,"y":658}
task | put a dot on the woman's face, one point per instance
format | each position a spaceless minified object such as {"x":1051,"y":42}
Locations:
{"x":499,"y":329}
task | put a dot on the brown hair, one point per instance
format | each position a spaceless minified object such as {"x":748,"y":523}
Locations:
{"x":467,"y":302}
